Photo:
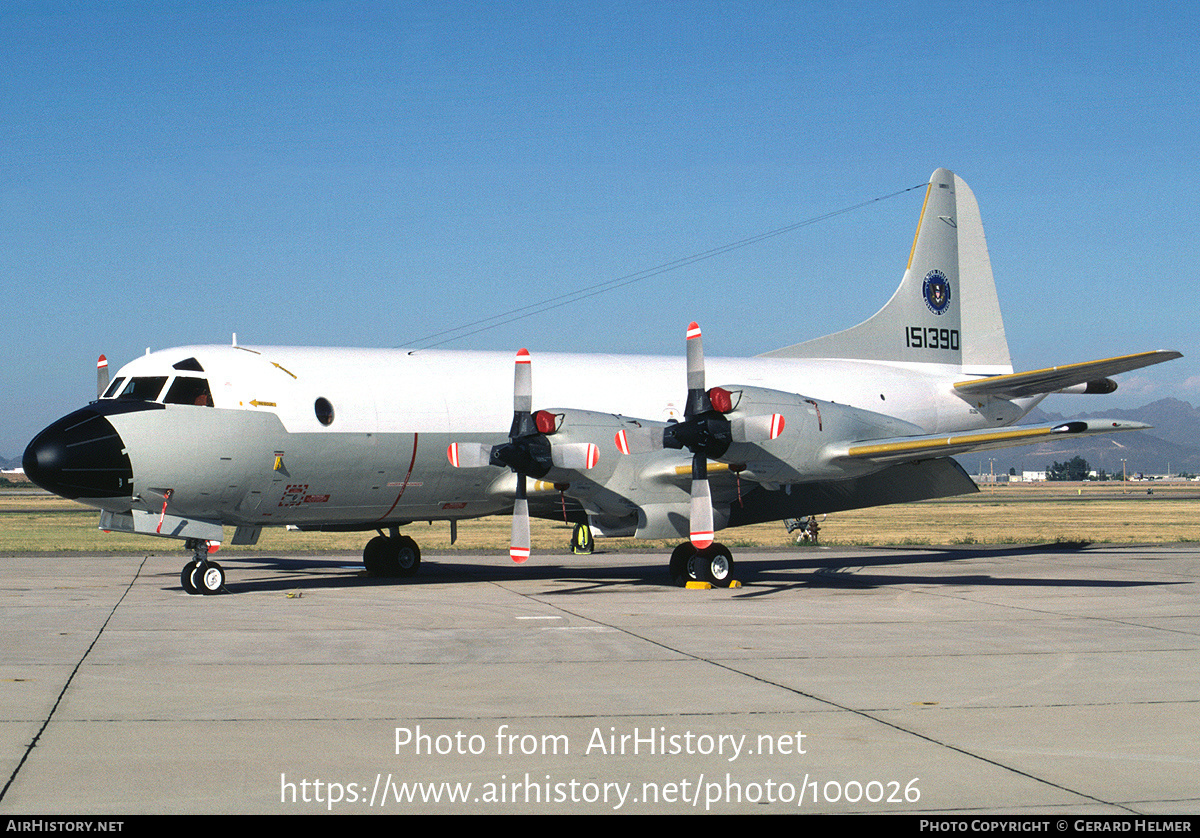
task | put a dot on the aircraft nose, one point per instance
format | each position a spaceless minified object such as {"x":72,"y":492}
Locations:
{"x":80,"y":456}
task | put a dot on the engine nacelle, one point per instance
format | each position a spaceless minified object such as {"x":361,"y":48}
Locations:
{"x":811,"y":427}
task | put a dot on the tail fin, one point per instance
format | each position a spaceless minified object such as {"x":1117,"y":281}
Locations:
{"x":945,"y":310}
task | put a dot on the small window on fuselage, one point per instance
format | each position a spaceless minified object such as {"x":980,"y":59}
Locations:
{"x":189,"y":391}
{"x":324,"y":411}
{"x":144,"y":389}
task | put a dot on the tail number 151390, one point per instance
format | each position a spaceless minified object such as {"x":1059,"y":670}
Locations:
{"x":930,"y":337}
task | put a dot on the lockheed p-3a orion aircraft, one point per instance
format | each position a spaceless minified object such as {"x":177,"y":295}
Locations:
{"x":185,"y":442}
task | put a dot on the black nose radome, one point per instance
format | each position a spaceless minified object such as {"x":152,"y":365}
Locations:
{"x":80,"y":456}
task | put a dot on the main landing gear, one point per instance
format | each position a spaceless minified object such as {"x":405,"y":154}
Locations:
{"x":392,"y":556}
{"x":713,"y":564}
{"x":200,"y":576}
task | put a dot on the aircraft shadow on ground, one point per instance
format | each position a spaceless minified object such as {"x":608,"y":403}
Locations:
{"x":760,"y":577}
{"x":279,"y":573}
{"x":848,"y":571}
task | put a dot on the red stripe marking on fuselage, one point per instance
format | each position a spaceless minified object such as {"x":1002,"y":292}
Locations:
{"x":404,"y":485}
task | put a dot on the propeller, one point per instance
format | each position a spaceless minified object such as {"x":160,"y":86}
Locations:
{"x":525,"y":453}
{"x":101,"y":376}
{"x":528,"y":452}
{"x":705,"y":431}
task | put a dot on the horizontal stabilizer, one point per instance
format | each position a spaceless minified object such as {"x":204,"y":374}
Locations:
{"x":1051,"y":380}
{"x":946,"y":445}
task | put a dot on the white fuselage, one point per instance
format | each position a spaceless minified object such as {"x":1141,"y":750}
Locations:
{"x":395,"y":391}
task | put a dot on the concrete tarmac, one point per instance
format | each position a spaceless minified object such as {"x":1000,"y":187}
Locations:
{"x":1057,"y":680}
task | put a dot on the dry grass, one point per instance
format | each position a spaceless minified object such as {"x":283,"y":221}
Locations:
{"x":1035,"y":513}
{"x":1028,"y":515}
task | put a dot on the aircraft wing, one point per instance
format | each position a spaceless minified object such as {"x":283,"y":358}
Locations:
{"x":1053,"y":379}
{"x":904,"y":448}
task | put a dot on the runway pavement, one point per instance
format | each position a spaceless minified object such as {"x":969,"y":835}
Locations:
{"x":1049,"y":680}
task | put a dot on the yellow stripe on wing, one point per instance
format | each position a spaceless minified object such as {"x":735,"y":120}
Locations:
{"x":926,"y":444}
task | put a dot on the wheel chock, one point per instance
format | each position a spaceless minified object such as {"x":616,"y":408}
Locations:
{"x":705,"y":586}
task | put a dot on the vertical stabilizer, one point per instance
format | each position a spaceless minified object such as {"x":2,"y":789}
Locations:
{"x":985,"y":347}
{"x":945,"y":310}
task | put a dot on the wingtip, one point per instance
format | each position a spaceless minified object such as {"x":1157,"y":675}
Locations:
{"x":1079,"y":426}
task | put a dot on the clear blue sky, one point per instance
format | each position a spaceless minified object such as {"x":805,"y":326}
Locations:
{"x":371,"y":173}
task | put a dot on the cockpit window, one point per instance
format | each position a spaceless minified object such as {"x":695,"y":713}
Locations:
{"x":189,"y":391}
{"x":190,"y":364}
{"x":143,"y":389}
{"x":114,"y":388}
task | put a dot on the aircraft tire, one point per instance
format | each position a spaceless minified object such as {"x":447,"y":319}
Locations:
{"x":185,"y":578}
{"x":715,"y":565}
{"x":681,"y":558}
{"x":375,"y":556}
{"x":208,"y":578}
{"x":407,"y":557}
